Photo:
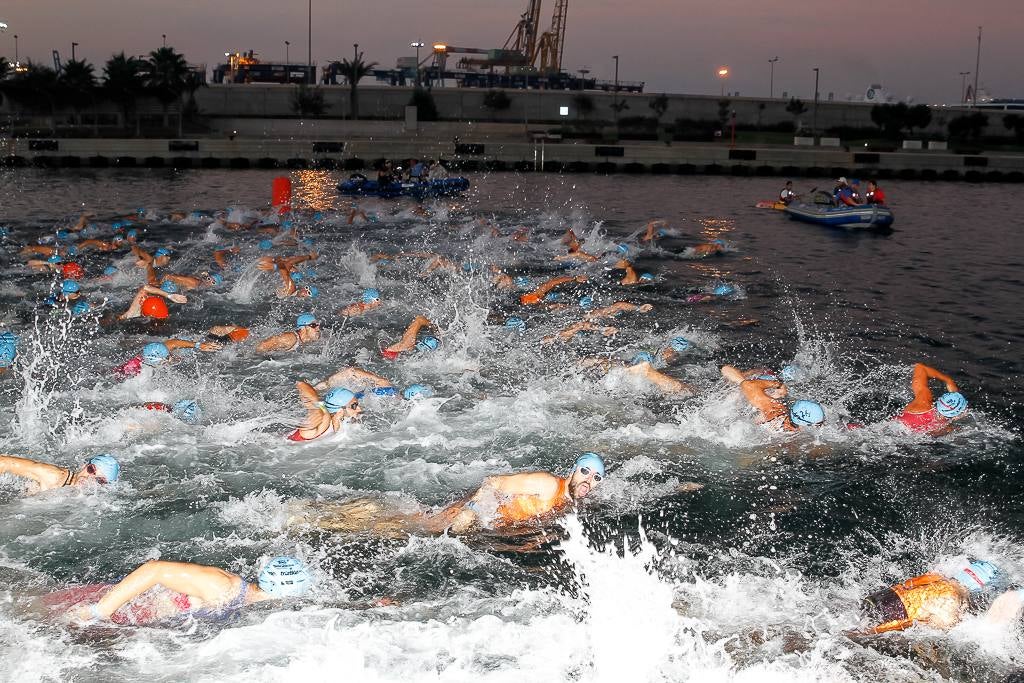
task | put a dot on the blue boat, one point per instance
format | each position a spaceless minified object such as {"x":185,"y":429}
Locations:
{"x":864,"y":217}
{"x":439,"y":187}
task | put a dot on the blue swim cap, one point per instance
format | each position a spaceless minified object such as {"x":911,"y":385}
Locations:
{"x":370,"y":295}
{"x":287,"y":225}
{"x":336,"y":399}
{"x":217,"y":278}
{"x":116,"y":225}
{"x":427,"y":344}
{"x":106,"y":467}
{"x":586,"y":302}
{"x":187,"y":411}
{"x":768,"y":377}
{"x":417,"y":391}
{"x":977,"y":576}
{"x":662,"y":232}
{"x":169,"y":286}
{"x":318,"y":216}
{"x":285,"y":577}
{"x":50,"y":300}
{"x":622,"y":248}
{"x":110,"y":270}
{"x":162,"y":251}
{"x":307,"y":242}
{"x":791,"y":373}
{"x":516,"y":323}
{"x":642,"y":357}
{"x":69,"y":287}
{"x":155,"y":353}
{"x":647,"y":277}
{"x":8,"y":349}
{"x":55,"y":258}
{"x":553,"y":296}
{"x":591,"y":460}
{"x":719,"y":242}
{"x":140,"y":211}
{"x":311,"y":291}
{"x":951,"y":405}
{"x":265,"y":244}
{"x":132,"y":234}
{"x":296,"y":275}
{"x":724,"y":290}
{"x":806,"y":413}
{"x":385,"y":391}
{"x":679,"y":344}
{"x":72,"y":250}
{"x":80,"y":308}
{"x":305,"y":319}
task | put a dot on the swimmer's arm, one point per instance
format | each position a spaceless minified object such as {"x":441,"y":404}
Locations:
{"x":1005,"y":608}
{"x":308,"y":397}
{"x":753,"y":391}
{"x":359,"y":308}
{"x":142,"y":254}
{"x":209,"y":584}
{"x":732,"y":374}
{"x":174,"y":344}
{"x":289,"y":263}
{"x":408,"y":340}
{"x":922,"y":392}
{"x":151,"y":277}
{"x":285,"y":341}
{"x":156,"y":291}
{"x":932,"y":373}
{"x":667,"y":383}
{"x":542,"y":484}
{"x":186,"y":281}
{"x":39,"y":472}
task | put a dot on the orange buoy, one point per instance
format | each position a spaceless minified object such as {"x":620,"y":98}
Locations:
{"x":281,"y":194}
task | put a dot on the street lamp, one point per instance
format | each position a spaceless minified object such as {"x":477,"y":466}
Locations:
{"x":417,"y":44}
{"x":977,"y":68}
{"x":771,"y":79}
{"x":723,"y":73}
{"x":16,"y":63}
{"x":309,"y":46}
{"x":73,"y":46}
{"x":286,"y":54}
{"x":615,"y":97}
{"x":963,"y":85}
{"x":814,"y":116}
{"x":164,"y":36}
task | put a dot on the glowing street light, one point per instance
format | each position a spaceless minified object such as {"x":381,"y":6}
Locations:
{"x":723,"y":73}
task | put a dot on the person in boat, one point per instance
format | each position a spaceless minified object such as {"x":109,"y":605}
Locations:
{"x":327,"y":415}
{"x":307,"y":331}
{"x":843,"y":195}
{"x":932,"y":599}
{"x":502,"y":502}
{"x":765,"y":393}
{"x":927,"y":415}
{"x":193,"y":589}
{"x":103,"y":469}
{"x":787,"y":194}
{"x":875,"y":194}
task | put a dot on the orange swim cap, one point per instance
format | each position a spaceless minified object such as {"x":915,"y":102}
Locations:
{"x":239,"y":335}
{"x":72,"y":271}
{"x":155,"y":307}
{"x":530,"y":298}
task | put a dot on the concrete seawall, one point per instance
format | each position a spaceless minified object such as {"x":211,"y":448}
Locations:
{"x":551,"y":156}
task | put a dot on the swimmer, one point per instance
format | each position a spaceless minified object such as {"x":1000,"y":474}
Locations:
{"x":201,"y":591}
{"x":307,"y":331}
{"x":502,"y":502}
{"x":325,"y":416}
{"x":720,"y":291}
{"x":676,"y":346}
{"x":930,"y":599}
{"x":357,"y":378}
{"x":501,"y":280}
{"x":158,"y":259}
{"x":148,"y":302}
{"x":8,"y":350}
{"x":103,"y":469}
{"x":409,"y":342}
{"x":654,"y":230}
{"x":766,"y":394}
{"x":508,"y":500}
{"x":186,"y":410}
{"x":631,"y":277}
{"x":616,"y":308}
{"x":713,"y":248}
{"x":158,"y":353}
{"x":284,"y":267}
{"x":641,"y":366}
{"x":569,"y":333}
{"x":538,"y":295}
{"x":369,"y":300}
{"x":926,"y":415}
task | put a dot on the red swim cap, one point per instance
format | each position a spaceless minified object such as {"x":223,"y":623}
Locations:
{"x":389,"y":355}
{"x":72,"y":271}
{"x":155,"y":307}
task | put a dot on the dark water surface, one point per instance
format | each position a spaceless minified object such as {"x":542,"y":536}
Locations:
{"x":785,"y":537}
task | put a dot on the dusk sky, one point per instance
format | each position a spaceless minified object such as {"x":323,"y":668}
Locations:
{"x":914,"y":48}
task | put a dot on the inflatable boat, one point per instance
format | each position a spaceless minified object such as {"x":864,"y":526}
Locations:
{"x":440,"y":187}
{"x":864,"y":217}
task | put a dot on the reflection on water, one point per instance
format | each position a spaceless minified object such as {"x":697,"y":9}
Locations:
{"x":753,"y":576}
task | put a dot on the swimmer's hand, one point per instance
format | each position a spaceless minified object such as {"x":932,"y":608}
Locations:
{"x":178,"y":298}
{"x":87,"y":614}
{"x":689,"y":487}
{"x":580,"y":278}
{"x":210,"y":346}
{"x":646,"y":308}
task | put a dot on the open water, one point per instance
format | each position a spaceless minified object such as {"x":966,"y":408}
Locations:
{"x":754,"y":577}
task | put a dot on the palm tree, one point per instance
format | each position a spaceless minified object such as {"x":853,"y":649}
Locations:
{"x":193,"y":81}
{"x":123,"y":83}
{"x":797,"y":108}
{"x":355,"y":70}
{"x":77,"y":86}
{"x":166,"y":78}
{"x":5,"y":70}
{"x":34,"y":89}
